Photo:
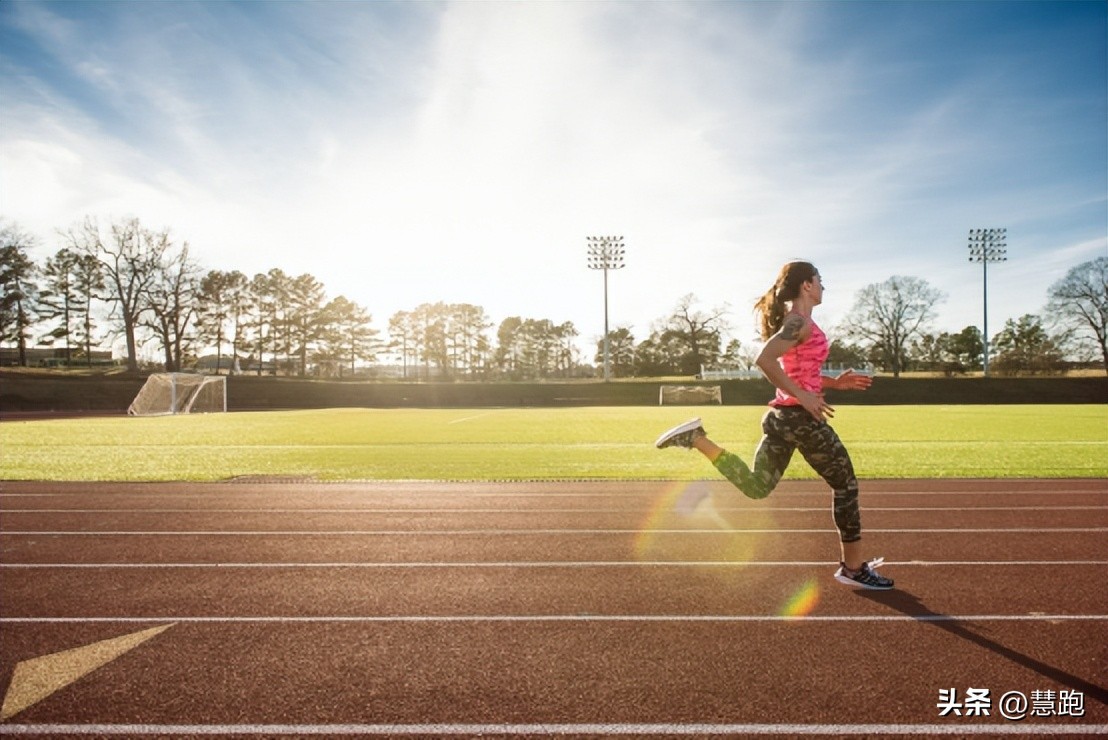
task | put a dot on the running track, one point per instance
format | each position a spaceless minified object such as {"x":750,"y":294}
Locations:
{"x":297,"y":609}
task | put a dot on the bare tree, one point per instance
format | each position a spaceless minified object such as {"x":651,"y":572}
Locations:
{"x":699,"y":332}
{"x":1079,"y":302}
{"x":172,"y":301}
{"x":889,"y":315}
{"x":130,"y":258}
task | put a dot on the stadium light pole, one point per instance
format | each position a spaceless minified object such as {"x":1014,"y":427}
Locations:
{"x":985,"y":246}
{"x":605,"y":253}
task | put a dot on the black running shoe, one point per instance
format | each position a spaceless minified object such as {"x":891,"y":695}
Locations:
{"x":865,"y":577}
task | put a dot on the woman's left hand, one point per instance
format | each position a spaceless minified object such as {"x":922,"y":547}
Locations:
{"x":852,"y":381}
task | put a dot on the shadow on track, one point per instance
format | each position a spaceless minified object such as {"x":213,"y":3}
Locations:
{"x":910,"y":605}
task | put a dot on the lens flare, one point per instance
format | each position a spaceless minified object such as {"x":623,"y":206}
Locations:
{"x":803,"y":601}
{"x":676,"y":504}
{"x":685,"y":505}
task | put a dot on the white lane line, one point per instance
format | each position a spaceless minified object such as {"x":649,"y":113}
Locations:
{"x":583,"y":618}
{"x":554,"y":564}
{"x":697,"y":729}
{"x":466,"y":510}
{"x":517,"y":532}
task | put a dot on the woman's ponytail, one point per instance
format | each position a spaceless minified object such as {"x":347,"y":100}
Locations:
{"x":771,"y":306}
{"x":771,"y":313}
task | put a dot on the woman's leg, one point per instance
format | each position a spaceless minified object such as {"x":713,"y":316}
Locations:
{"x":821,"y":447}
{"x":770,"y":459}
{"x":785,"y":430}
{"x":825,"y":452}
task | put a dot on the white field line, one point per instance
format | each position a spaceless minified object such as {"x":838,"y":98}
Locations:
{"x":521,"y":532}
{"x":471,"y":418}
{"x":695,"y":729}
{"x":554,"y":564}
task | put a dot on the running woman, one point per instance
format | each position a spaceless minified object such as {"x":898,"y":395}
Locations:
{"x":794,"y":352}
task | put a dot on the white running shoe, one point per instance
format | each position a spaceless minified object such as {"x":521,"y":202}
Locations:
{"x":681,"y":435}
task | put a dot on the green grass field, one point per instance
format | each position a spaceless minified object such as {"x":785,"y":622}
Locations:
{"x":606,"y":443}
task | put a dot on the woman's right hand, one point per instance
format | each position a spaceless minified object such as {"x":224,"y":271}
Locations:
{"x":816,"y":405}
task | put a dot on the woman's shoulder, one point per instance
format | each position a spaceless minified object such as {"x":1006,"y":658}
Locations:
{"x":796,"y":327}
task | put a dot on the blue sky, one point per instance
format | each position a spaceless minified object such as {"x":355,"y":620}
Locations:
{"x":414,"y":152}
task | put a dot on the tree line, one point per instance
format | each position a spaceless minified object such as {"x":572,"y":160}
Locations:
{"x":134,"y":284}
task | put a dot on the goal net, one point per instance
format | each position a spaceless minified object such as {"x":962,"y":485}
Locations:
{"x":689,"y":395}
{"x":180,"y":393}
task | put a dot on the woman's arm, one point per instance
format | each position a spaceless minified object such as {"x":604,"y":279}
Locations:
{"x":793,"y":331}
{"x":847,"y":381}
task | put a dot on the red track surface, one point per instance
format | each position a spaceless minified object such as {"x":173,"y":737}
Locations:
{"x":574,"y":609}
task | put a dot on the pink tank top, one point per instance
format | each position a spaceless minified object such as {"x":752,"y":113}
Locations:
{"x":802,"y":363}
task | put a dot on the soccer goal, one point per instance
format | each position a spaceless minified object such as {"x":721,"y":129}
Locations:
{"x":689,"y":395}
{"x":180,"y":393}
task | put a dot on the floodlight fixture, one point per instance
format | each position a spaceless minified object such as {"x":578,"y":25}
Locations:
{"x":606,"y":253}
{"x":985,"y":246}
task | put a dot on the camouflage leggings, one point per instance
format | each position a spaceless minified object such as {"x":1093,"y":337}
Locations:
{"x":787,"y":429}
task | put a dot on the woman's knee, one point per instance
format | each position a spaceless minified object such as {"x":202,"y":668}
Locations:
{"x":735,"y":470}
